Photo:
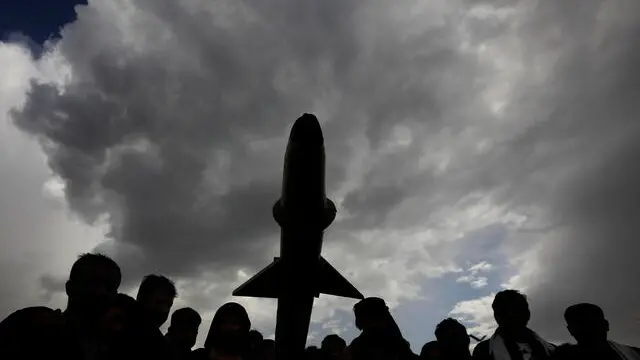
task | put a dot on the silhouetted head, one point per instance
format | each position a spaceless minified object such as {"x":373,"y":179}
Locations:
{"x":119,"y":315}
{"x":255,"y":339}
{"x":155,"y":298}
{"x":229,"y":329}
{"x":312,"y":353}
{"x":333,"y":347}
{"x":452,"y":336}
{"x":31,"y":319}
{"x":306,"y":130}
{"x":587,"y":323}
{"x":183,"y":329}
{"x":267,"y":350}
{"x":378,"y":326}
{"x":93,"y":282}
{"x":32,"y":333}
{"x":255,"y":335}
{"x":511,"y":310}
{"x":431,"y":351}
{"x":371,"y":313}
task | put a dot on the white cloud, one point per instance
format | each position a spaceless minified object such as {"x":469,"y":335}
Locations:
{"x":37,"y":236}
{"x":482,"y":266}
{"x":477,"y":312}
{"x":476,"y":281}
{"x":479,"y":283}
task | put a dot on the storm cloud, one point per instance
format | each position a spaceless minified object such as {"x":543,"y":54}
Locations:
{"x":165,"y":123}
{"x":575,"y":169}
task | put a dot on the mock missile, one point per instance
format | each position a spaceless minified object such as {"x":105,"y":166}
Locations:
{"x":303,"y":213}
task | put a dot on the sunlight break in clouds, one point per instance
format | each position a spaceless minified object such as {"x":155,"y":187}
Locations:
{"x":476,"y":281}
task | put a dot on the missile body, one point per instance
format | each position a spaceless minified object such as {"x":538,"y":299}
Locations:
{"x":303,"y":212}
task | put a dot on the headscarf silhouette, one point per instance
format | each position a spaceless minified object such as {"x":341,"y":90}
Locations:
{"x":227,"y":339}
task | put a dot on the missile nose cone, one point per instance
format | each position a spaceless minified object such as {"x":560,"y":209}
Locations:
{"x":307,"y":130}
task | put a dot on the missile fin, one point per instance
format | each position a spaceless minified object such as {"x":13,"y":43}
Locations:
{"x":263,"y":284}
{"x":331,"y":282}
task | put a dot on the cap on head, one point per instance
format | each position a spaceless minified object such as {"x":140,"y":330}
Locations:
{"x":306,"y":130}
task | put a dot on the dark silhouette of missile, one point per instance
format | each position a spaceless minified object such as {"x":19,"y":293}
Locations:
{"x":303,"y":213}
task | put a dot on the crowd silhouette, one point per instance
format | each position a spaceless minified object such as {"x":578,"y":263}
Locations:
{"x":101,"y":324}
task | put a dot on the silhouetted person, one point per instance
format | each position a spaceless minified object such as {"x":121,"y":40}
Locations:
{"x":228,"y":334}
{"x":431,"y":351}
{"x":266,"y":350}
{"x":93,"y":284}
{"x":588,"y":325}
{"x":153,"y":304}
{"x":183,"y":331}
{"x":512,"y":339}
{"x":119,"y":315}
{"x":254,"y":343}
{"x":155,"y":299}
{"x":380,"y":338}
{"x":115,"y":325}
{"x":453,"y":340}
{"x":36,"y":333}
{"x":333,"y":347}
{"x":312,"y":353}
{"x":199,"y":354}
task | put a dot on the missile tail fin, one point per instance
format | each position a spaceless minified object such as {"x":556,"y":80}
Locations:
{"x":266,"y":283}
{"x":263,"y":284}
{"x":331,"y":282}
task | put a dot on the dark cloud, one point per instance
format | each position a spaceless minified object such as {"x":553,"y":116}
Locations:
{"x":173,"y":125}
{"x":592,"y":255}
{"x":158,"y":130}
{"x":133,"y":139}
{"x":51,"y":285}
{"x":577,"y":163}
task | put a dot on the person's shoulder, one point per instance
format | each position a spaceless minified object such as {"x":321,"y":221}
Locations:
{"x":482,"y":349}
{"x":37,"y":325}
{"x":198,"y":354}
{"x":30,"y":317}
{"x":482,"y":345}
{"x":356,"y":341}
{"x":564,"y":351}
{"x":358,"y":348}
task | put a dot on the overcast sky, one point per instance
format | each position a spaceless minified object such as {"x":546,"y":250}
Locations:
{"x":471,"y":146}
